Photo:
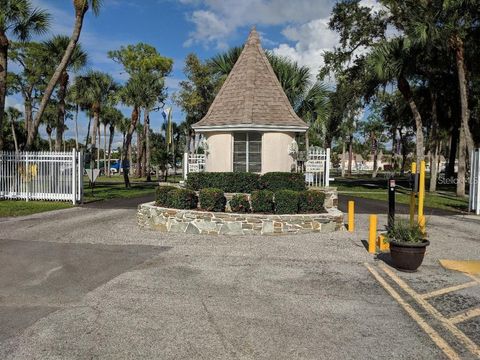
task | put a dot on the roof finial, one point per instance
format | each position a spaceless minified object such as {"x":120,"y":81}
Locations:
{"x":253,"y":38}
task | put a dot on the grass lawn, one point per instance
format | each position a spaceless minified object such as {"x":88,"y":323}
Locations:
{"x":21,"y":208}
{"x":377,"y":189}
{"x":107,"y":191}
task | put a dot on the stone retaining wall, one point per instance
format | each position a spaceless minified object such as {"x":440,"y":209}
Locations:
{"x":215,"y":223}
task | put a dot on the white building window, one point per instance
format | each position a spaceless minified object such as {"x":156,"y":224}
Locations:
{"x":247,"y":152}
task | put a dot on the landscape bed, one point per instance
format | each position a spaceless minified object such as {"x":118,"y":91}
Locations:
{"x":223,"y":223}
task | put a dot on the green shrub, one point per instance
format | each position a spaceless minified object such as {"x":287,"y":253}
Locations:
{"x":212,"y":199}
{"x":227,"y":181}
{"x":182,"y":199}
{"x":286,"y":202}
{"x":311,"y":201}
{"x":161,"y":195}
{"x":262,"y":201}
{"x":275,"y":181}
{"x":240,"y":204}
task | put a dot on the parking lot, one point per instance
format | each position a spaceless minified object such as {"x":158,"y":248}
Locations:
{"x":88,"y":283}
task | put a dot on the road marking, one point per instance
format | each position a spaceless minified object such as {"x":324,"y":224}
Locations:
{"x":435,"y":336}
{"x":448,"y":289}
{"x":469,"y":344}
{"x":465,"y":316}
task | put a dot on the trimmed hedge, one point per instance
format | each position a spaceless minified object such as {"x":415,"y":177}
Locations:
{"x":240,"y":204}
{"x":161,"y":195}
{"x":182,"y":199}
{"x":311,"y":201}
{"x":262,"y":201}
{"x":238,"y":182}
{"x":275,"y":181}
{"x":227,"y":181}
{"x":212,"y":199}
{"x":286,"y":202}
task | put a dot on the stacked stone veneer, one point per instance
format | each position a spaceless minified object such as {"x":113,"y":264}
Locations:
{"x":226,"y":223}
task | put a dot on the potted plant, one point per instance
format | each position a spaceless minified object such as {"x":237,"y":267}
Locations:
{"x":407,"y":245}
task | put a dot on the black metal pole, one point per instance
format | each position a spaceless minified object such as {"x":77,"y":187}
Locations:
{"x":391,"y":203}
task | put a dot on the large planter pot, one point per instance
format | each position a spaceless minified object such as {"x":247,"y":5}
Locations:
{"x":408,"y":256}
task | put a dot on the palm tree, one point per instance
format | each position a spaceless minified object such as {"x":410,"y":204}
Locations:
{"x":14,"y":115}
{"x":20,"y":19}
{"x":98,"y":89}
{"x":50,"y":121}
{"x":393,"y":61}
{"x":110,"y":118}
{"x":81,"y":7}
{"x":53,"y":52}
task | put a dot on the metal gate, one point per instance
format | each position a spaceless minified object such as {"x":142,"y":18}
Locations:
{"x":474,"y":198}
{"x":56,"y":176}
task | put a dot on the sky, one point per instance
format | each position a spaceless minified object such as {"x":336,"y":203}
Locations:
{"x":294,"y":28}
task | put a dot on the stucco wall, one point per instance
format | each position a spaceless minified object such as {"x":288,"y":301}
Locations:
{"x":275,"y":152}
{"x":219,"y":158}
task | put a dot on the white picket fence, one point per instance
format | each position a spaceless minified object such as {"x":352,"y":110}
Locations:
{"x":474,"y":198}
{"x":317,"y":167}
{"x":56,"y":176}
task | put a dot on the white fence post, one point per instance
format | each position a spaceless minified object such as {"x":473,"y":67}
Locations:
{"x":474,"y":191}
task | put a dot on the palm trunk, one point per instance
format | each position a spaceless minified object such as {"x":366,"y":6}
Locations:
{"x":455,"y":135}
{"x":3,"y":81}
{"x":106,"y":168}
{"x":88,"y":130}
{"x":435,"y":144}
{"x":462,"y":86}
{"x":375,"y":164}
{"x":49,"y":133}
{"x":128,"y":141}
{"x":139,"y":169}
{"x":343,"y":158}
{"x":99,"y":144}
{"x":110,"y":142}
{"x":147,"y":145}
{"x":27,"y":102}
{"x":403,"y":143}
{"x":76,"y":127}
{"x":405,"y":90}
{"x":62,"y":93}
{"x":462,"y":147}
{"x":93,"y":141}
{"x":350,"y":154}
{"x":81,"y":8}
{"x":14,"y":135}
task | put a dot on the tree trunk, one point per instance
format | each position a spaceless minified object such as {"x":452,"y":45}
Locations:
{"x":76,"y":127}
{"x":375,"y":163}
{"x":405,"y":90}
{"x":62,"y":93}
{"x":455,"y":135}
{"x":3,"y":81}
{"x":93,"y":141}
{"x":128,"y":141}
{"x":147,"y":145}
{"x":462,"y":148}
{"x":139,"y":170}
{"x":435,"y":144}
{"x":350,"y":155}
{"x":343,"y":158}
{"x":106,"y":168}
{"x":80,"y":11}
{"x":462,"y":86}
{"x":14,"y":136}
{"x":49,"y":133}
{"x":110,"y":142}
{"x":99,"y":145}
{"x":404,"y":151}
{"x":27,"y":102}
{"x":87,"y":140}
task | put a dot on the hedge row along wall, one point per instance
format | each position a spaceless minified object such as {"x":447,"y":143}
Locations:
{"x":231,"y":182}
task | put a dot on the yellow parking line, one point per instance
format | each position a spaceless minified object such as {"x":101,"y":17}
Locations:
{"x":436,"y":338}
{"x":465,"y":316}
{"x":469,"y":344}
{"x":448,"y":289}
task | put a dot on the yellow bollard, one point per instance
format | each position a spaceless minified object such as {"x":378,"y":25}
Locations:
{"x":372,"y":235}
{"x":421,"y":197}
{"x":412,"y":197}
{"x":351,"y":216}
{"x":382,"y":244}
{"x":422,"y":224}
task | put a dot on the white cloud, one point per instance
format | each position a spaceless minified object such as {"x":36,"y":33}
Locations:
{"x":310,"y":40}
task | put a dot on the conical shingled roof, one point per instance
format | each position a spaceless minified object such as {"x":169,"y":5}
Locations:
{"x":251,"y":96}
